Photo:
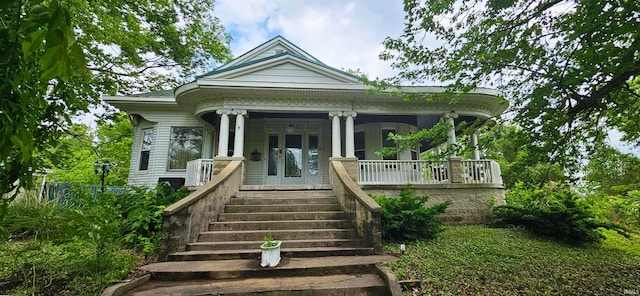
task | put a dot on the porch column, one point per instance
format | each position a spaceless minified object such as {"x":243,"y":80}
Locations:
{"x":336,"y":147}
{"x":451,"y":133}
{"x":474,"y":146}
{"x":238,"y":144}
{"x":349,"y":134}
{"x":223,"y":139}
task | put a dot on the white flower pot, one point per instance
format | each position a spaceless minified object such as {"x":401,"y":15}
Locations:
{"x":270,"y":255}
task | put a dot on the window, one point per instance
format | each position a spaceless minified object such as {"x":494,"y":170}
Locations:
{"x":388,"y":143}
{"x":185,"y":145}
{"x":145,"y":149}
{"x":359,"y":145}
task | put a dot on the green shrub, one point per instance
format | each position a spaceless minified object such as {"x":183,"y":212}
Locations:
{"x":622,"y":209}
{"x":141,"y":210}
{"x":407,"y":217}
{"x":75,"y":247}
{"x":36,"y":267}
{"x":552,"y":211}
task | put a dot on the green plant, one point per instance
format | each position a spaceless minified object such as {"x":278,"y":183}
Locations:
{"x":40,"y":267}
{"x":269,"y":242}
{"x":553,"y":211}
{"x":142,"y":209}
{"x":407,"y":217}
{"x":476,"y":260}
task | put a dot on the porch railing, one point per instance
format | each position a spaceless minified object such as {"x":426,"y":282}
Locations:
{"x":481,"y":172}
{"x":393,"y":172}
{"x":199,"y":172}
{"x":374,"y":172}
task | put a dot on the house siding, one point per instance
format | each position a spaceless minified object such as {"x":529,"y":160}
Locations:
{"x":287,"y":72}
{"x":158,"y":158}
{"x":136,"y":176}
{"x":270,"y":52}
{"x":254,"y":140}
{"x":373,"y":137}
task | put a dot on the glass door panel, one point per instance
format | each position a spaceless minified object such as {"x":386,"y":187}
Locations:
{"x":293,"y":156}
{"x":313,"y":168}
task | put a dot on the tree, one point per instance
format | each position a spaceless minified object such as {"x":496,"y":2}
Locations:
{"x":58,"y":56}
{"x":566,"y":66}
{"x":74,"y":154}
{"x":520,"y":161}
{"x":613,"y":172}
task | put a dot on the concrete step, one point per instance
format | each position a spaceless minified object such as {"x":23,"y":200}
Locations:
{"x":286,"y":234}
{"x":243,"y":268}
{"x":322,"y":215}
{"x":255,"y":253}
{"x":282,"y":200}
{"x":285,"y":194}
{"x":282,"y":208}
{"x":277,"y":225}
{"x":246,"y":245}
{"x":328,"y":285}
{"x":239,"y":268}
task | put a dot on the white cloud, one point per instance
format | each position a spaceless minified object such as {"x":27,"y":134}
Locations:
{"x":342,"y":34}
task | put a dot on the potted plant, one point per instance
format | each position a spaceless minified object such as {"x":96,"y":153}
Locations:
{"x":270,"y":252}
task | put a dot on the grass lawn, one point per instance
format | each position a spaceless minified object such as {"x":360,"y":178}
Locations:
{"x":475,"y":260}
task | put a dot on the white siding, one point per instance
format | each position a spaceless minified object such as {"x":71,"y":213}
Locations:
{"x":158,"y":158}
{"x":287,"y":72}
{"x":270,"y":52}
{"x":136,"y":176}
{"x":373,"y":137}
{"x":254,"y":139}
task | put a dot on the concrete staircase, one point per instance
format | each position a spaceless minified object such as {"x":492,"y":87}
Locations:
{"x":321,"y":252}
{"x":308,"y":222}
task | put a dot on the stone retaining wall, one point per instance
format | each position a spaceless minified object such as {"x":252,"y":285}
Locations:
{"x":471,"y":203}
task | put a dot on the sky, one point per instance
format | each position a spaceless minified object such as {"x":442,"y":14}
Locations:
{"x":341,"y":34}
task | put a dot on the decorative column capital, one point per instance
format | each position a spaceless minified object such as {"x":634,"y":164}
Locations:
{"x":239,"y":112}
{"x":223,"y":111}
{"x":335,"y":114}
{"x":452,"y":114}
{"x":351,"y":114}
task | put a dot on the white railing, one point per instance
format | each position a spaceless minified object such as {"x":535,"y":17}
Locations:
{"x":481,"y":172}
{"x":381,"y":172}
{"x":390,"y":172}
{"x":199,"y":172}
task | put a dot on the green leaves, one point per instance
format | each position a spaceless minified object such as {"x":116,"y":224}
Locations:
{"x":407,"y":217}
{"x":553,"y":212}
{"x":58,"y":57}
{"x":565,"y":66}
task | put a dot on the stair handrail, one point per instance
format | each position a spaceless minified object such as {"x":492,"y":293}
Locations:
{"x":185,"y":219}
{"x":364,"y":211}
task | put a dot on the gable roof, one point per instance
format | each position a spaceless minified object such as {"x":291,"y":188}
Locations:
{"x":272,"y":53}
{"x":276,"y":45}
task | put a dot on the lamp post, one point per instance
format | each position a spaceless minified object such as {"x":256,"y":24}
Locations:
{"x":105,"y":167}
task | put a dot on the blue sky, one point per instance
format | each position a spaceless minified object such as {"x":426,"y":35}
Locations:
{"x":342,"y":34}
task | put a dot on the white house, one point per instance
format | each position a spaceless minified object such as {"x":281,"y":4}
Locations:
{"x":286,"y":114}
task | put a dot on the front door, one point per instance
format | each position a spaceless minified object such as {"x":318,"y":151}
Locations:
{"x":292,"y":159}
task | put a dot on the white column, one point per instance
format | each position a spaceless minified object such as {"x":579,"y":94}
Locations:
{"x":336,"y":147}
{"x":238,"y":144}
{"x":474,"y":146}
{"x":223,"y":139}
{"x":349,"y":134}
{"x":451,"y":133}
